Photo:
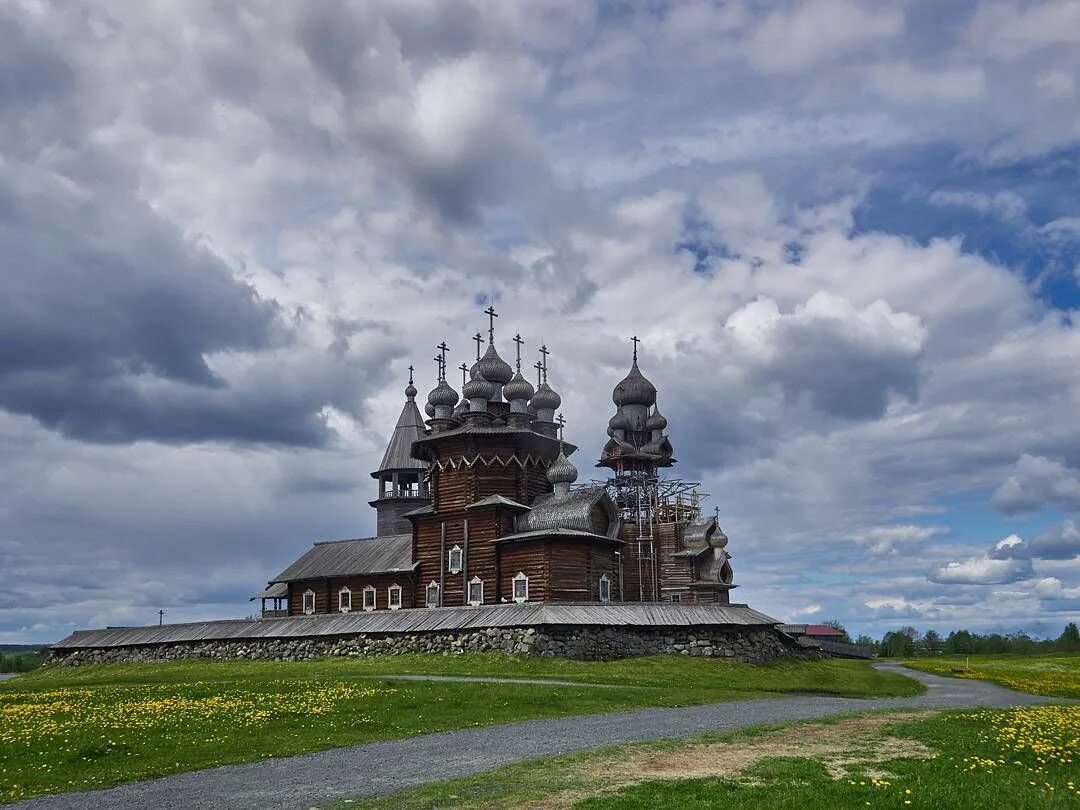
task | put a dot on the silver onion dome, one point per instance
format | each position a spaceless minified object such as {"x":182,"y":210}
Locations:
{"x":545,"y":398}
{"x":620,"y":421}
{"x":410,"y":391}
{"x":494,"y":368}
{"x":443,"y":394}
{"x":656,"y":421}
{"x":518,"y":388}
{"x":429,"y":409}
{"x":634,"y":389}
{"x":478,"y":388}
{"x":562,"y":471}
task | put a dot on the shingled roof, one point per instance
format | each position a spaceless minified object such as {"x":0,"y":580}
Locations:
{"x":342,"y":558}
{"x":574,"y":510}
{"x":409,"y":428}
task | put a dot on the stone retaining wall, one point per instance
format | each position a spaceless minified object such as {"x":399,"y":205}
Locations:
{"x":749,"y":645}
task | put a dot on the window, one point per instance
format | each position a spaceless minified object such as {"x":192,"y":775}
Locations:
{"x":676,"y":598}
{"x":454,"y":563}
{"x":521,"y":587}
{"x":476,"y":591}
{"x":605,"y":588}
{"x":309,"y":601}
{"x":433,"y":594}
{"x":344,"y":600}
{"x":393,"y":597}
{"x":369,"y":598}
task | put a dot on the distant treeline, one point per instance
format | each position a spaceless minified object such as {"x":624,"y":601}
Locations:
{"x":907,"y":642}
{"x":20,"y":661}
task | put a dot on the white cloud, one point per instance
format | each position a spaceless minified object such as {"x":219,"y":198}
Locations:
{"x":1059,"y":542}
{"x":1008,"y":561}
{"x":1003,"y":204}
{"x":1036,"y":482}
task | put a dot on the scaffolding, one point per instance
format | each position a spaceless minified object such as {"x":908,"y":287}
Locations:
{"x":646,"y":500}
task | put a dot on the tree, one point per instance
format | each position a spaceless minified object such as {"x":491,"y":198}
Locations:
{"x":897,"y":644}
{"x":960,"y":642}
{"x":932,"y":643}
{"x":1070,"y":637}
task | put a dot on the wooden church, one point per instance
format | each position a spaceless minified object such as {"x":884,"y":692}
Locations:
{"x":477,"y":505}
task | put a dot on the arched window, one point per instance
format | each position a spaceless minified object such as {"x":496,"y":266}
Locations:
{"x":344,"y":599}
{"x":476,"y":591}
{"x":369,"y":597}
{"x":454,"y":563}
{"x":309,"y":601}
{"x":521,"y":587}
{"x":605,"y":588}
{"x":433,"y":594}
{"x":393,"y":596}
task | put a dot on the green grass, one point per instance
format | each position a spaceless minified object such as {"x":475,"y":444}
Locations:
{"x":1056,"y":675}
{"x":75,"y":728}
{"x":978,"y":759}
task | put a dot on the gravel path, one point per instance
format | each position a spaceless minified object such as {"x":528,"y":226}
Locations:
{"x":475,"y":679}
{"x":378,"y":769}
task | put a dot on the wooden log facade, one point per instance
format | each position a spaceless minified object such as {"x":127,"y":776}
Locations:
{"x":492,"y":518}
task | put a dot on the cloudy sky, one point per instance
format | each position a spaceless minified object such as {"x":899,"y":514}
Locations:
{"x":847,"y":232}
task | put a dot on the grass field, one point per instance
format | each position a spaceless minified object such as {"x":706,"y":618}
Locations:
{"x":1057,"y":674}
{"x":1024,"y":758}
{"x":76,"y":728}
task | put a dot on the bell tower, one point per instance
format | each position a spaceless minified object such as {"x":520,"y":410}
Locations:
{"x":402,"y":479}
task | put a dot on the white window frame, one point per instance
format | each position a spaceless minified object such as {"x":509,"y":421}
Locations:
{"x":605,"y":584}
{"x":480,"y":582}
{"x":308,"y":611}
{"x":427,"y":594}
{"x":342,"y":595}
{"x":390,"y":596}
{"x":450,"y":565}
{"x":520,"y":577}
{"x":370,"y":589}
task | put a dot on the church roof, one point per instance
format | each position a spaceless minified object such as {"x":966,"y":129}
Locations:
{"x":497,"y":500}
{"x":409,"y":428}
{"x":574,"y":510}
{"x":342,"y":558}
{"x":275,"y":590}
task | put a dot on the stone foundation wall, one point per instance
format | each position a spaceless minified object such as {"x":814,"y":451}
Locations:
{"x":748,"y":645}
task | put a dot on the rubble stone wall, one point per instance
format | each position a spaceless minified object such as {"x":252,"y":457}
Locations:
{"x":744,"y":644}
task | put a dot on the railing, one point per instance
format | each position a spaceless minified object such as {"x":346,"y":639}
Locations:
{"x":275,"y":614}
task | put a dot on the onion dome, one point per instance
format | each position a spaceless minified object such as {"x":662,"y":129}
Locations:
{"x":656,"y":421}
{"x":443,"y":394}
{"x":545,"y":398}
{"x":634,"y":389}
{"x":478,"y":388}
{"x":619,"y":421}
{"x":461,"y":409}
{"x":429,"y":409}
{"x":493,"y":367}
{"x":410,"y":391}
{"x":561,"y":470}
{"x":518,"y":388}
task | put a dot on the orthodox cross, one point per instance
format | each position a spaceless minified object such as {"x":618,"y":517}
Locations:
{"x":716,"y":511}
{"x":443,"y":349}
{"x":636,"y":342}
{"x":544,"y":351}
{"x":490,"y":312}
{"x":539,"y":367}
{"x":479,"y":339}
{"x":410,"y":375}
{"x":519,"y":342}
{"x":438,"y":368}
{"x":562,"y":424}
{"x":464,"y":367}
{"x":160,"y":617}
